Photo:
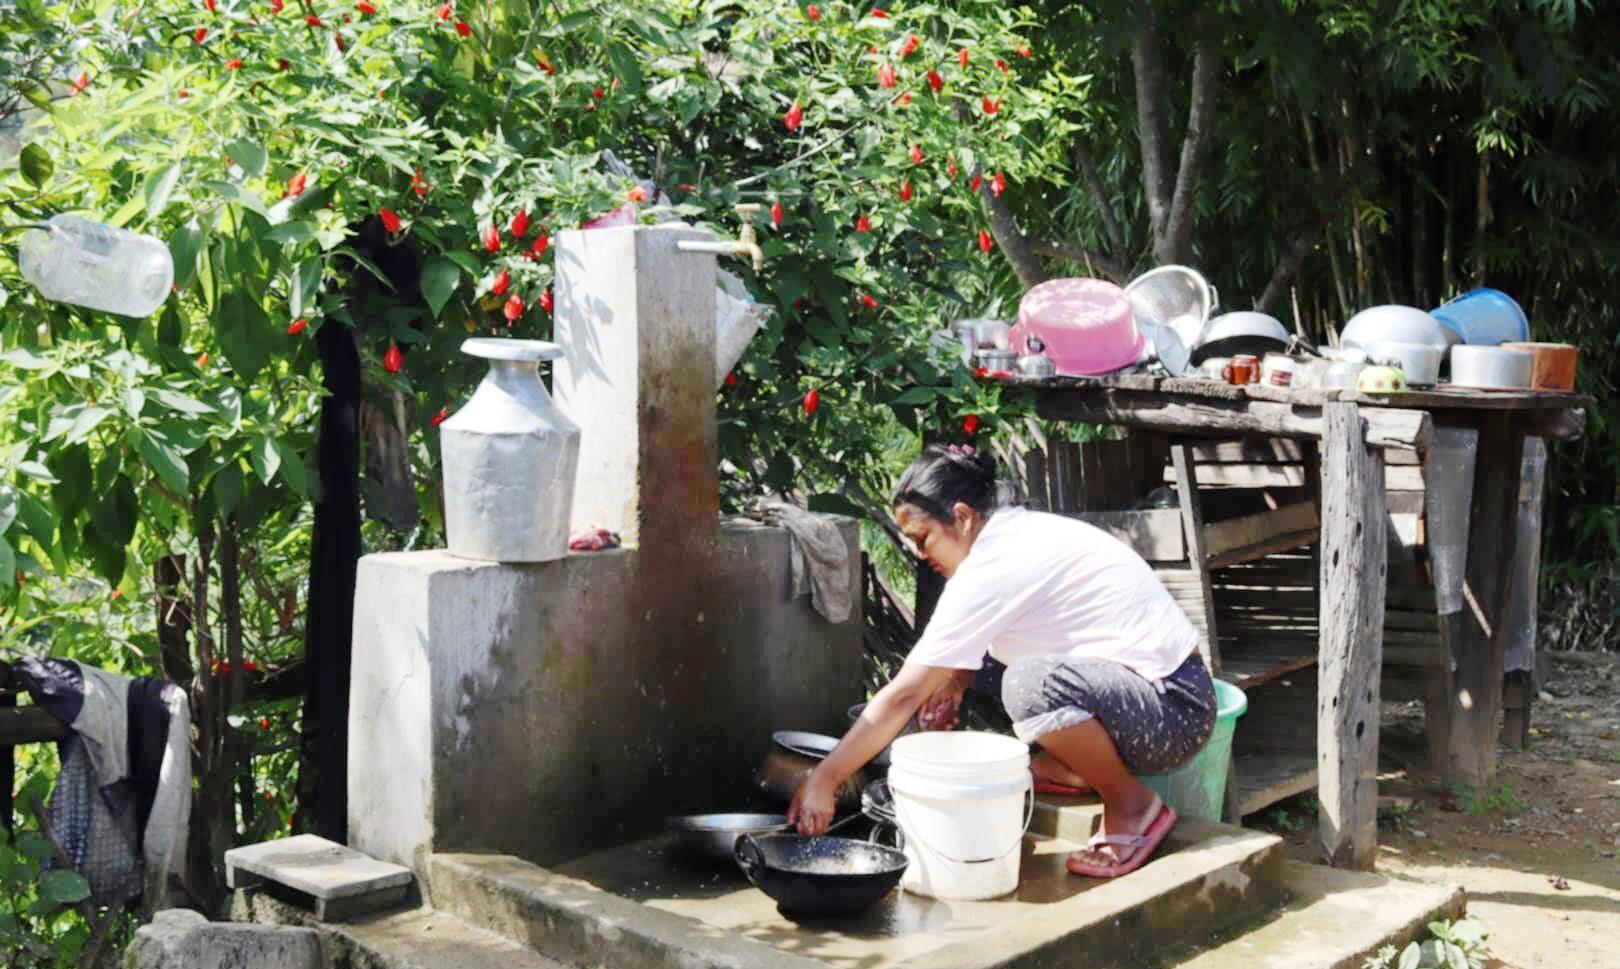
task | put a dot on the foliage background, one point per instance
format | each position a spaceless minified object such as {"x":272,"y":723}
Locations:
{"x":1358,"y":153}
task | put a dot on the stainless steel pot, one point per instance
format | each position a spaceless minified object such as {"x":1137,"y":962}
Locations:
{"x":793,"y":755}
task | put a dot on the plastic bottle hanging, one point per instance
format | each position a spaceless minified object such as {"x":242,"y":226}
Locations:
{"x":74,"y":260}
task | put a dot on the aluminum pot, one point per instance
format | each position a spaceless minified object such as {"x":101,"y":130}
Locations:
{"x":715,"y":835}
{"x":1420,"y":362}
{"x":509,"y":460}
{"x":793,"y":755}
{"x":1491,"y":368}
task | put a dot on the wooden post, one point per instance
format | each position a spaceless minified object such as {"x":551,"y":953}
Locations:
{"x":1192,"y":524}
{"x":1482,"y":634}
{"x":1352,"y":629}
{"x":1448,"y":481}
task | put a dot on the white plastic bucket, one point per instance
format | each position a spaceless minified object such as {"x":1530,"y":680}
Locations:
{"x":963,"y":801}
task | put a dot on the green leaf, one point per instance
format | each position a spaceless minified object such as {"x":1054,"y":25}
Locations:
{"x":627,"y":68}
{"x":292,"y":467}
{"x":165,"y":459}
{"x":8,"y":564}
{"x":291,"y":232}
{"x":243,"y":331}
{"x":235,"y":193}
{"x":304,"y":285}
{"x":184,"y":246}
{"x":247,"y":156}
{"x":8,"y":508}
{"x":26,"y":360}
{"x":115,"y":516}
{"x":75,"y":421}
{"x":64,"y":887}
{"x":228,"y":489}
{"x":36,"y":471}
{"x":266,"y":459}
{"x":1410,"y":957}
{"x":181,"y":403}
{"x":917,"y":395}
{"x":32,"y":846}
{"x":159,"y":186}
{"x":36,"y":165}
{"x":439,"y":280}
{"x":38,"y":518}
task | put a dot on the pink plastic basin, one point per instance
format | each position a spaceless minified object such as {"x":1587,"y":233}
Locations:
{"x":1086,"y":324}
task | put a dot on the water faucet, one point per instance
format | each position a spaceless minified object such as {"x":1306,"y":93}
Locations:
{"x":746,"y":243}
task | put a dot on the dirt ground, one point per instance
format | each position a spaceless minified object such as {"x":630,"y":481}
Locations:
{"x":1538,"y":853}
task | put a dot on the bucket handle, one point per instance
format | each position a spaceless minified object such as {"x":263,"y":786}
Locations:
{"x":1029,"y":815}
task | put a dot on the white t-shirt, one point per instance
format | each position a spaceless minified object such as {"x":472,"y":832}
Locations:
{"x":1037,"y":584}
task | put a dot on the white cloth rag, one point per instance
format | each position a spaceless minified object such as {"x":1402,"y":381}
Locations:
{"x":822,"y":565}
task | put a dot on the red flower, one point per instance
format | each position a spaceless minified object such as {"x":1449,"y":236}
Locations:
{"x":970,"y":424}
{"x":793,"y":118}
{"x":903,"y":99}
{"x":916,"y":154}
{"x":731,"y":380}
{"x":502,"y":281}
{"x":520,"y":223}
{"x":393,"y":360}
{"x":282,"y":64}
{"x":869,"y":301}
{"x":264,"y":723}
{"x":276,"y":6}
{"x":863,"y":224}
{"x":343,"y":45}
{"x":200,"y":34}
{"x":234,"y":64}
{"x":297,"y":326}
{"x":950,"y":170}
{"x":542,"y":242}
{"x":935,"y":81}
{"x":998,"y":185}
{"x":636,"y":194}
{"x":991,"y":107}
{"x":1024,"y":51}
{"x":513,"y":308}
{"x":439,"y":418}
{"x":981,"y":373}
{"x":813,"y":12}
{"x":312,"y":20}
{"x":547,"y":302}
{"x":445,"y":12}
{"x":962,"y":56}
{"x":879,"y":13}
{"x":463,"y":28}
{"x":905,"y":191}
{"x":886,"y":75}
{"x":182,"y":94}
{"x":1001,"y":65}
{"x":910,"y":46}
{"x":390,"y":221}
{"x":812,"y":401}
{"x":596,"y":93}
{"x":295,"y":185}
{"x":978,"y":180}
{"x":209,"y":5}
{"x":81,"y":82}
{"x":986,"y":243}
{"x":491,"y":238}
{"x":202,"y":361}
{"x":365,"y":7}
{"x":776,"y":213}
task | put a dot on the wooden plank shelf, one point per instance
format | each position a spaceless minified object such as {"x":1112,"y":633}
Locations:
{"x":1266,"y":777}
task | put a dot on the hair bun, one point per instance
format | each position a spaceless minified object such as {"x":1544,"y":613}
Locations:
{"x":985,"y":462}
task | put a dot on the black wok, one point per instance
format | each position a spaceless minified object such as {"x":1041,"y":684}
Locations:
{"x":819,"y":875}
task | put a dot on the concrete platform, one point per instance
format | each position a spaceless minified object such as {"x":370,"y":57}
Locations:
{"x":642,"y":905}
{"x":1334,"y":920}
{"x":336,"y":880}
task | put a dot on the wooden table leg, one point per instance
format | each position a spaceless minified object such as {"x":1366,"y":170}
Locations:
{"x":1354,"y":566}
{"x":1480,"y":646}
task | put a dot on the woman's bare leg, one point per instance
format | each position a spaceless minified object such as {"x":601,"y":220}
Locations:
{"x":1087,"y":750}
{"x":1046,"y":767}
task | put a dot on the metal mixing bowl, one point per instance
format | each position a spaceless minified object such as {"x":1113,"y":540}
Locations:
{"x":715,"y":835}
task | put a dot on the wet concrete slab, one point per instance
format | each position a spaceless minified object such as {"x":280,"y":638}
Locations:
{"x":657,"y":907}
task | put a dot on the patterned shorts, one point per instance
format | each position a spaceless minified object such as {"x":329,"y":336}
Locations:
{"x":1155,"y":726}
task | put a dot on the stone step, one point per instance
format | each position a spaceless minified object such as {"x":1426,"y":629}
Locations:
{"x":333,"y":880}
{"x":1334,"y":920}
{"x":416,"y":938}
{"x":639,"y":905}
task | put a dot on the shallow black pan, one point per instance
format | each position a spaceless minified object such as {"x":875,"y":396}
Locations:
{"x":817,"y":874}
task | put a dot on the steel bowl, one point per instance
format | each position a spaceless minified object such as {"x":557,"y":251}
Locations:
{"x":819,"y":875}
{"x":715,"y":835}
{"x":1174,"y":296}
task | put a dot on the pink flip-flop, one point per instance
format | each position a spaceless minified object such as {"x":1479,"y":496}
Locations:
{"x":1144,"y":845}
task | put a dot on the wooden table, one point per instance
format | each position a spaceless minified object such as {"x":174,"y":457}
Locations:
{"x":1471,"y":441}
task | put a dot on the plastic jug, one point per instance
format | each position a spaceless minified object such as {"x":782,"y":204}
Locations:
{"x":73,"y":260}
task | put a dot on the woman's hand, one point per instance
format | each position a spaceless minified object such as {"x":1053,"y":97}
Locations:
{"x":941,"y":711}
{"x":814,"y":804}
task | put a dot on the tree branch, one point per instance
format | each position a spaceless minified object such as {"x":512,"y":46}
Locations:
{"x":1148,"y":60}
{"x":1099,"y":194}
{"x":1299,"y":246}
{"x":1095,"y":262}
{"x":1175,"y":244}
{"x":1014,"y":244}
